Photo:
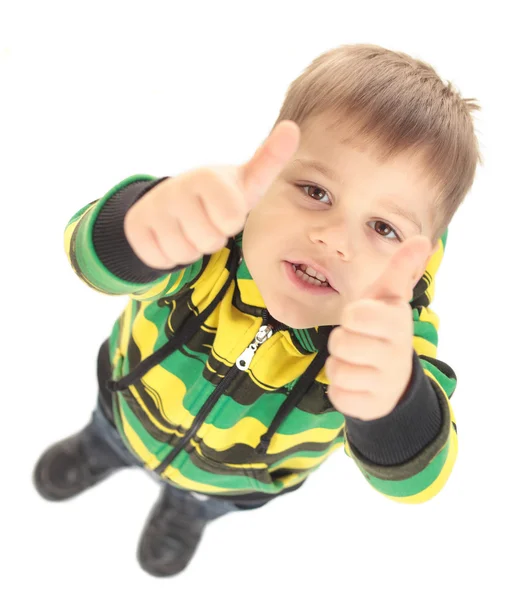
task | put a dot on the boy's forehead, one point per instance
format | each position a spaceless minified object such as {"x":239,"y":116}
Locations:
{"x":326,"y":141}
{"x":329,"y":135}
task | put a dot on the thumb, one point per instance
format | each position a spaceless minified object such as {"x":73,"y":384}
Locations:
{"x":405,"y":266}
{"x":258,"y":174}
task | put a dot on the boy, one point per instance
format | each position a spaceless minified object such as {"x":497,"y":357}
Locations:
{"x":279,"y":309}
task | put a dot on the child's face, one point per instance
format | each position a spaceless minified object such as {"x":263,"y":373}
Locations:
{"x":348,"y":226}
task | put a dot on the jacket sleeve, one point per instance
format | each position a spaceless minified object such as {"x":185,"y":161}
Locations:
{"x":99,"y":253}
{"x":409,"y":454}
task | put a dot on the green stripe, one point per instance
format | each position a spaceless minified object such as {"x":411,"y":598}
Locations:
{"x":305,"y":339}
{"x":191,"y":272}
{"x":114,"y":338}
{"x":444,"y":237}
{"x":413,"y":485}
{"x":77,"y":215}
{"x":424,"y":329}
{"x":448,"y":384}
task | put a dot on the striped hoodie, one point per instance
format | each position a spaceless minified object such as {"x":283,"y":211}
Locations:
{"x":214,"y":395}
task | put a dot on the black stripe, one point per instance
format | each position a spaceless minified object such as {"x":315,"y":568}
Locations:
{"x":148,"y":425}
{"x":244,"y":454}
{"x":260,"y":474}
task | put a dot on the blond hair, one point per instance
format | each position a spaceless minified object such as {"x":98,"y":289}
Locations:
{"x":400,"y":104}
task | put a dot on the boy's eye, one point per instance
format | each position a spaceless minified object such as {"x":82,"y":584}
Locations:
{"x":384,"y":230}
{"x":313,"y":191}
{"x":381,"y":227}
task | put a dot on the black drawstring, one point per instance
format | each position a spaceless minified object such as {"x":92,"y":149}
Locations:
{"x":293,"y":398}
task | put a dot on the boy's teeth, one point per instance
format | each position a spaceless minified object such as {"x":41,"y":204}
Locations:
{"x":312,"y":273}
{"x":301,"y":272}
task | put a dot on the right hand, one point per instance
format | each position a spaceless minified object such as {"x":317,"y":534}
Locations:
{"x":181,"y":219}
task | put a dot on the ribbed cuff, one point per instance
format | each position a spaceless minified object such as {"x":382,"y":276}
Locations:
{"x":406,"y":431}
{"x":110,"y":242}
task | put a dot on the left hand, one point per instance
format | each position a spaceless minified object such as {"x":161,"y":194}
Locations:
{"x":370,"y":362}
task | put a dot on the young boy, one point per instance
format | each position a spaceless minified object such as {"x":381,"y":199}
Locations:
{"x":280,"y":309}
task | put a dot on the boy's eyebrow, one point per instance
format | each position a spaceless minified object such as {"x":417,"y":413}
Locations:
{"x":395,"y":208}
{"x":317,"y":166}
{"x":391,"y":205}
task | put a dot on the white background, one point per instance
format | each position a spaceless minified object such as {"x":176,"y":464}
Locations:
{"x":93,"y":92}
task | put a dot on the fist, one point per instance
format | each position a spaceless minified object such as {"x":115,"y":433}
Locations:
{"x":195,"y":213}
{"x":370,"y":362}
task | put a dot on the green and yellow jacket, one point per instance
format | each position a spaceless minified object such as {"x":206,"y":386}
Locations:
{"x":217,"y":397}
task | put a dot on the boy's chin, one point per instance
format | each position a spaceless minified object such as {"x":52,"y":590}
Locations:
{"x":294,"y":319}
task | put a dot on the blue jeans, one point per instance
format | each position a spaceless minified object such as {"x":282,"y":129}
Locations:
{"x":207,"y":507}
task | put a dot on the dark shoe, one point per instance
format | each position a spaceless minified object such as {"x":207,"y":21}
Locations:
{"x":171,"y":535}
{"x":73,"y":465}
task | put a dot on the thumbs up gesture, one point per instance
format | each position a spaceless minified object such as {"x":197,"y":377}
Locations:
{"x":370,"y":362}
{"x":181,"y":219}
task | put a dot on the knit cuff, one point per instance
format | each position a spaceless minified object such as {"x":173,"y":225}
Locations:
{"x":402,"y":434}
{"x":110,"y":242}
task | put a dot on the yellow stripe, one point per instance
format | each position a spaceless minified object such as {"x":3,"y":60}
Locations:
{"x":429,"y":316}
{"x":423,"y":347}
{"x":144,"y":332}
{"x":154,"y":291}
{"x":137,"y":445}
{"x":435,"y":260}
{"x":69,"y":230}
{"x":169,"y":405}
{"x":171,"y":473}
{"x":432,"y":268}
{"x":451,"y":410}
{"x":249,"y":431}
{"x":126,"y":329}
{"x":151,"y":418}
{"x":199,"y":451}
{"x":250,"y":293}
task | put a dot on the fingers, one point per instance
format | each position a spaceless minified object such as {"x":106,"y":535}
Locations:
{"x":356,"y":349}
{"x":158,"y":242}
{"x":221,"y":198}
{"x":268,"y":161}
{"x":197,"y":227}
{"x":397,"y":280}
{"x":352,"y":378}
{"x":360,"y":405}
{"x":376,"y":319}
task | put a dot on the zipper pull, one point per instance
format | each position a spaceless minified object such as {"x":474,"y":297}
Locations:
{"x":244,"y":360}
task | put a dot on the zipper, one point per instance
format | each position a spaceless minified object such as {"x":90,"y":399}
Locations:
{"x":242,"y":363}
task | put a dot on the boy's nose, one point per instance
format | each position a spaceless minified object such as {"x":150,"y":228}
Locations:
{"x":335,"y":238}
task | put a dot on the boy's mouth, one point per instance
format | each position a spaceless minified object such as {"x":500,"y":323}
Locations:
{"x":313,"y":273}
{"x":310,"y":277}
